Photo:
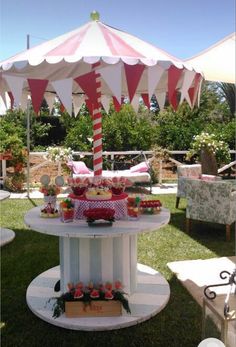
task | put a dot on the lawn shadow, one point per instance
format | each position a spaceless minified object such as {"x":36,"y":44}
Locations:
{"x":32,"y":201}
{"x":210,"y":235}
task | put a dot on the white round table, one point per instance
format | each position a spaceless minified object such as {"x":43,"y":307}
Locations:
{"x":4,"y":194}
{"x":6,"y":235}
{"x":100,"y":254}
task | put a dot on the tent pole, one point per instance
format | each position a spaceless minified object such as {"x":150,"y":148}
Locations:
{"x":97,"y":127}
{"x":28,"y":146}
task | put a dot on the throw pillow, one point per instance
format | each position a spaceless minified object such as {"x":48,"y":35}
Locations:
{"x":78,"y":167}
{"x":142,"y":167}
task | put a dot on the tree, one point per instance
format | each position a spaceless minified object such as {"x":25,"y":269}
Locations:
{"x":227,"y":92}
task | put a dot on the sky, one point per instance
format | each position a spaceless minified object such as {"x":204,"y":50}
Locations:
{"x":182,"y":28}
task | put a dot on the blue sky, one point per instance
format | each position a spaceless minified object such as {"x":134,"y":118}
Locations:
{"x":181,"y":27}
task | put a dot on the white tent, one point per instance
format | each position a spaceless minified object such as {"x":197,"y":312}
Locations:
{"x":217,"y":62}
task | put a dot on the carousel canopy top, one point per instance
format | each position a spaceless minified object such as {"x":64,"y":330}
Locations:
{"x":127,"y":67}
{"x":91,"y":43}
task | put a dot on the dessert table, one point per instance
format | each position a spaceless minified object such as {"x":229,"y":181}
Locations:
{"x":4,"y":194}
{"x":100,"y":254}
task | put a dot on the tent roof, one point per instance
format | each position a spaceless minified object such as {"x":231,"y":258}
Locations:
{"x":90,"y":43}
{"x":126,"y":66}
{"x":218,"y":61}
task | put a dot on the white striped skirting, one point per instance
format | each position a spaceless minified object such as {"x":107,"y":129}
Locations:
{"x":99,"y":260}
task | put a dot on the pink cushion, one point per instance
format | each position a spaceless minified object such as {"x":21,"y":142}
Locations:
{"x":142,"y":167}
{"x":208,"y":177}
{"x":78,"y":167}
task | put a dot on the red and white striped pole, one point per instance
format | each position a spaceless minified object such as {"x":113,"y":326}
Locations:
{"x":97,"y":127}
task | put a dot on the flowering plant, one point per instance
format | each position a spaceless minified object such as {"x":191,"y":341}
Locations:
{"x":212,"y":144}
{"x":56,"y":154}
{"x":89,"y":292}
{"x":49,"y":189}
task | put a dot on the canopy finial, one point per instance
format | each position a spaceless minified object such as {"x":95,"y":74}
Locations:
{"x":95,"y":15}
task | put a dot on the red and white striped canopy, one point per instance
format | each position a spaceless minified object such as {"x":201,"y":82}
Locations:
{"x":128,"y":67}
{"x":90,"y":43}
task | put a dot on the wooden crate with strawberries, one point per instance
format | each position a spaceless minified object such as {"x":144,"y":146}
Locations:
{"x":94,"y":308}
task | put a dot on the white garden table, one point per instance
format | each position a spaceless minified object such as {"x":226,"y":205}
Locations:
{"x":6,"y":235}
{"x":100,"y":254}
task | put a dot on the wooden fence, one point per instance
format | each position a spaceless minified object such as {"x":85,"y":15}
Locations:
{"x":111,"y":156}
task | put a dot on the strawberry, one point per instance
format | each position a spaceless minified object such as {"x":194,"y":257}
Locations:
{"x":94,"y":294}
{"x":79,"y":285}
{"x":78,"y":294}
{"x":109,"y":295}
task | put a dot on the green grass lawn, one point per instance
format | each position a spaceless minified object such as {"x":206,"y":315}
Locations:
{"x":31,"y":253}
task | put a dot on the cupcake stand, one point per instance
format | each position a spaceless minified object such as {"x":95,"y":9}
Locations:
{"x":101,"y":254}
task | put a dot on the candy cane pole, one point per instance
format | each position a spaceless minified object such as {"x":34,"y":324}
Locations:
{"x":97,"y":127}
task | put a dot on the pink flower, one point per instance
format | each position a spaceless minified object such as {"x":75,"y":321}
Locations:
{"x":109,"y":295}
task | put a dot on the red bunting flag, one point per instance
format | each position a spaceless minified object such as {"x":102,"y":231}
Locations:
{"x":192,"y":92}
{"x":37,"y":89}
{"x":89,"y":106}
{"x":116,"y":103}
{"x":173,"y":101}
{"x":146,"y":99}
{"x":11,"y":99}
{"x":88,"y":83}
{"x":133,"y":75}
{"x":174,"y":75}
{"x":62,"y":107}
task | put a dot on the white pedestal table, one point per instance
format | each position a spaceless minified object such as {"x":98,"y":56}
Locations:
{"x":101,"y":254}
{"x":6,"y":235}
